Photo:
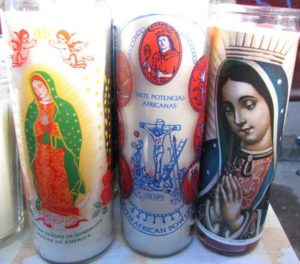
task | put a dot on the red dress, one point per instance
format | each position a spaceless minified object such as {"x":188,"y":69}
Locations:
{"x":51,"y":177}
{"x":250,"y":184}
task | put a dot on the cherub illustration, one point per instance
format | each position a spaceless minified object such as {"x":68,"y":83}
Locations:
{"x":21,"y":45}
{"x":70,"y":50}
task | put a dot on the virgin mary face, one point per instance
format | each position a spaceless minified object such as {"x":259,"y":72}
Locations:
{"x":41,"y":91}
{"x":247,"y":114}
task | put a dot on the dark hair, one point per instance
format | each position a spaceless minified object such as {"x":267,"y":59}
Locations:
{"x":238,"y":71}
{"x":241,"y":72}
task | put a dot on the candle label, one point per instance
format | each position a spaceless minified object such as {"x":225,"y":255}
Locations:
{"x":161,"y":79}
{"x":62,"y":114}
{"x":250,"y":80}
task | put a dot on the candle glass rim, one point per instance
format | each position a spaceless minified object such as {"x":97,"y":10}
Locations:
{"x":285,"y":19}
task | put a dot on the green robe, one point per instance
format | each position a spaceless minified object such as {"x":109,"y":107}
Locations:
{"x":65,"y":117}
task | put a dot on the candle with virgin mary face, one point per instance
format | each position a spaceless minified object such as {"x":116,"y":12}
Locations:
{"x":250,"y":77}
{"x":161,"y":79}
{"x":62,"y":116}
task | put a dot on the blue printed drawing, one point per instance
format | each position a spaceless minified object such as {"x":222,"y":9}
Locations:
{"x":167,"y":173}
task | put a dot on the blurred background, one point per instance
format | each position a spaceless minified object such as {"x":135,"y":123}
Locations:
{"x":285,"y":195}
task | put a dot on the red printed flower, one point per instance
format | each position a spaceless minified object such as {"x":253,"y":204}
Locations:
{"x":107,"y":178}
{"x":125,"y":178}
{"x":106,"y":195}
{"x":190,"y":183}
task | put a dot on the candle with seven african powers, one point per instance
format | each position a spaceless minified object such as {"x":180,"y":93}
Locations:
{"x":161,"y":77}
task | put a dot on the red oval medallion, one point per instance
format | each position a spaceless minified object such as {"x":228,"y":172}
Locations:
{"x":160,"y":53}
{"x":190,"y":183}
{"x":125,"y":178}
{"x":198,"y":135}
{"x":198,"y":84}
{"x":123,"y":80}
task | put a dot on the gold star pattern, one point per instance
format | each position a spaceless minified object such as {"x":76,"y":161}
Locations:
{"x":96,"y":86}
{"x":107,"y":115}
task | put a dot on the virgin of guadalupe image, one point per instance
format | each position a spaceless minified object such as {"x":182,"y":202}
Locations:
{"x":54,"y":140}
{"x":250,"y":106}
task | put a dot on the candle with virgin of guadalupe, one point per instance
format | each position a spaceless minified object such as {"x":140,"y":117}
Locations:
{"x":61,"y":93}
{"x":161,"y":82}
{"x":252,"y":60}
